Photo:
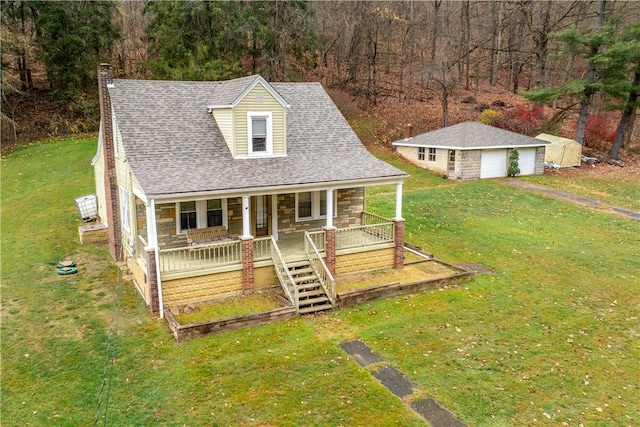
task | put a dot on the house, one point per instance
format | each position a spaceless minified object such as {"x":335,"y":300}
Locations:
{"x":210,"y":189}
{"x":472,"y":150}
{"x":563,"y":152}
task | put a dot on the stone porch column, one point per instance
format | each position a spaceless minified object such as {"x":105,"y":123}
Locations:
{"x":247,"y":264}
{"x":330,"y":248}
{"x":399,"y":239}
{"x":152,"y":282}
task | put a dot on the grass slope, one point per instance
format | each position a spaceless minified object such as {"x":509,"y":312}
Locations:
{"x":550,"y":338}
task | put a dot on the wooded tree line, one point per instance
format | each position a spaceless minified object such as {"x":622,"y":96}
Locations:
{"x":580,"y":56}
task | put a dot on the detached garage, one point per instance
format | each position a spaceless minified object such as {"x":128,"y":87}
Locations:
{"x":473,"y":150}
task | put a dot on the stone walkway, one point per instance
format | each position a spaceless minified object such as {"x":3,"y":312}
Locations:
{"x":584,"y":201}
{"x":400,"y":386}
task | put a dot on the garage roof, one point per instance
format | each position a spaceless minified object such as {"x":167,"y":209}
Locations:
{"x":471,"y":136}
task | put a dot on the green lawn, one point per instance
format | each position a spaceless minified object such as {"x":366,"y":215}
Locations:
{"x":551,"y":337}
{"x":621,"y":191}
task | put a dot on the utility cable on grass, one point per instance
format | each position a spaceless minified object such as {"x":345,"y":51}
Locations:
{"x":110,"y":356}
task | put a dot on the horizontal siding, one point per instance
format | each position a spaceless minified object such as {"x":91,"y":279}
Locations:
{"x":224,"y":119}
{"x":139,"y":275}
{"x":196,"y":289}
{"x":101,"y":196}
{"x":269,"y":103}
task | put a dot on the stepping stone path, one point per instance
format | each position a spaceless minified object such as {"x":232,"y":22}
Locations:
{"x":400,"y":386}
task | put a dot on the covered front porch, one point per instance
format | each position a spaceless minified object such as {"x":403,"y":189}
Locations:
{"x":302,"y":260}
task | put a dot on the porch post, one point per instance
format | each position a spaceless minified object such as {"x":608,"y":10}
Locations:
{"x":398,"y":228}
{"x":246,"y":217}
{"x":399,"y":200}
{"x":247,"y":248}
{"x":153,"y":262}
{"x":329,"y":207}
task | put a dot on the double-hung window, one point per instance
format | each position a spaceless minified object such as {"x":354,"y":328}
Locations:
{"x":214,"y":212}
{"x":432,"y":154}
{"x":259,"y":133}
{"x":188,"y":216}
{"x":313,"y":205}
{"x":124,"y":209}
{"x":420,"y":153}
{"x":201,"y":214}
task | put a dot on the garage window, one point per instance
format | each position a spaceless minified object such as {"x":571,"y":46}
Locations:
{"x":420,"y":153}
{"x":432,"y":154}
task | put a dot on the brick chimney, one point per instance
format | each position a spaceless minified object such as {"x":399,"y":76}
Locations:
{"x":105,"y":79}
{"x":408,"y":131}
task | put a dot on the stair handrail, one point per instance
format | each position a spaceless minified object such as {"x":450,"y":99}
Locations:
{"x":316,"y":262}
{"x":283,"y":273}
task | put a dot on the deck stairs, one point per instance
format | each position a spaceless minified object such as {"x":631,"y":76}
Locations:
{"x":311,"y":296}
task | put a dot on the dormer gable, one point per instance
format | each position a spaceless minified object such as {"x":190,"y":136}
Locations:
{"x":252,"y":118}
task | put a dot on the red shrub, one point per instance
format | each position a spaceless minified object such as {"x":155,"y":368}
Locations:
{"x":524,"y":119}
{"x":601,"y":127}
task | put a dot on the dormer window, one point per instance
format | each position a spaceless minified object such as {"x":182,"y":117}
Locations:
{"x":259,"y":133}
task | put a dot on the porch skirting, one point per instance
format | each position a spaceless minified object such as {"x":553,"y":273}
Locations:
{"x":202,"y":287}
{"x":368,"y":260}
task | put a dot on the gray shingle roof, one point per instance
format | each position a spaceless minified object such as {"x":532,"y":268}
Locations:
{"x":471,"y":135}
{"x":173,"y":145}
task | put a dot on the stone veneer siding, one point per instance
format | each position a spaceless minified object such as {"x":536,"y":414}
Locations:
{"x":540,"y":151}
{"x":349,"y":207}
{"x":141,"y":219}
{"x":469,"y":161}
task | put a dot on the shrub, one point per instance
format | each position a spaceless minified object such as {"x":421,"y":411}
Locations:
{"x":600,"y":128}
{"x":488,"y":116}
{"x":514,"y":169}
{"x":522,"y":119}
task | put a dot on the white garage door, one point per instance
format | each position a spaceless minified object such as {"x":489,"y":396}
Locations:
{"x":527,"y":161}
{"x":493,"y":163}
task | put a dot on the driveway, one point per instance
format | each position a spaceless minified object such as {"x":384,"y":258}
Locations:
{"x":574,"y":198}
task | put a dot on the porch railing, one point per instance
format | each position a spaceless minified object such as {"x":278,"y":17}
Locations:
{"x":141,"y":243}
{"x":320,"y":268}
{"x":201,"y":257}
{"x":369,"y":218}
{"x":286,"y":280}
{"x":318,"y":239}
{"x":261,"y":248}
{"x":365,"y":235}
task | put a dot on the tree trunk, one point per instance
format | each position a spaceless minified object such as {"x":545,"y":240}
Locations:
{"x":625,"y":119}
{"x":591,"y":77}
{"x":541,"y":44}
{"x":445,"y":105}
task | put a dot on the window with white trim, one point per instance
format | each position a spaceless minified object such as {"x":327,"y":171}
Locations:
{"x":432,"y":154}
{"x":124,"y":209}
{"x":195,"y":214}
{"x":313,"y":205}
{"x":188,"y":216}
{"x":420,"y":153}
{"x":214,"y":212}
{"x":259,"y":133}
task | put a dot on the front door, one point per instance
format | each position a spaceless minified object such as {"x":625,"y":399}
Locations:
{"x":260,"y":215}
{"x":452,"y":163}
